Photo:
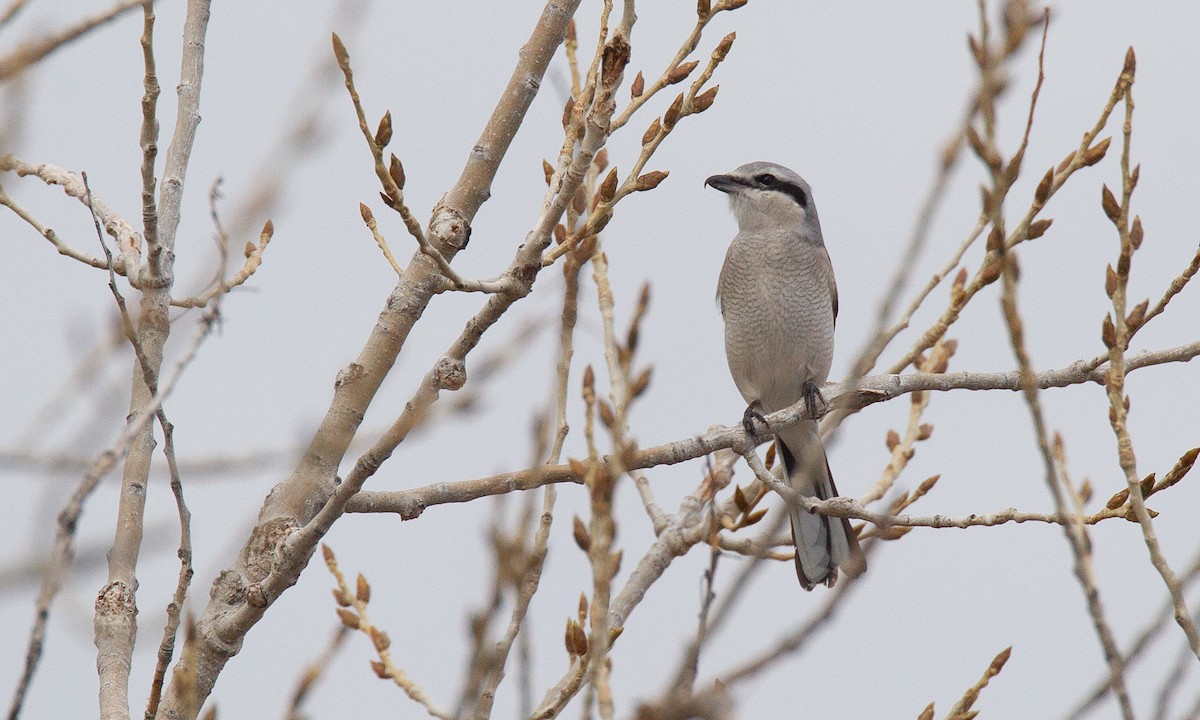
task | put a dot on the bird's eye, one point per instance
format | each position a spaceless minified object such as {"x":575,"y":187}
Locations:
{"x":767,"y":180}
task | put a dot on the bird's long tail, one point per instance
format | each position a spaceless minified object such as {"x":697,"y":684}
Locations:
{"x":823,"y":543}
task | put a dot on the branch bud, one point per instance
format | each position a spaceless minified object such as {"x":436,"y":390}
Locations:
{"x":1109,"y":203}
{"x":638,"y":86}
{"x":396,"y":170}
{"x":650,"y":180}
{"x":1095,"y":153}
{"x":672,"y":115}
{"x":383,"y":135}
{"x":651,"y":132}
{"x":608,"y":188}
{"x":704,"y":100}
{"x":680,"y":73}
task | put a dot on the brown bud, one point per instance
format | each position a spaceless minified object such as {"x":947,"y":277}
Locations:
{"x":579,"y":201}
{"x":339,"y":51}
{"x":739,"y":499}
{"x":895,"y":533}
{"x":1070,"y":158}
{"x":1042,"y":194}
{"x":1109,"y":203}
{"x":1134,"y":175}
{"x":601,"y":160}
{"x":733,"y":4}
{"x":582,"y":538}
{"x":380,"y":639}
{"x":651,"y":132}
{"x":1136,"y":232}
{"x":1130,"y":64}
{"x":560,"y":234}
{"x":396,"y":171}
{"x":1137,"y":316}
{"x":672,"y":115}
{"x":1095,"y":153}
{"x":568,"y":112}
{"x":650,"y":180}
{"x":589,"y":379}
{"x":1148,"y":485}
{"x":986,"y":200}
{"x":571,"y":35}
{"x":548,"y":171}
{"x":991,"y":272}
{"x":704,"y":100}
{"x":388,"y":200}
{"x":608,"y":188}
{"x":1110,"y":280}
{"x":723,"y":47}
{"x":606,"y":413}
{"x":925,"y":431}
{"x":579,"y":639}
{"x":380,"y":669}
{"x":362,"y":590}
{"x":638,"y":86}
{"x":975,"y":141}
{"x":641,"y":383}
{"x":1108,"y":333}
{"x":1038,"y":228}
{"x":769,"y":460}
{"x":326,"y":551}
{"x":893,"y":439}
{"x":680,"y":73}
{"x":614,"y":563}
{"x":995,"y":241}
{"x":703,"y":8}
{"x":341,"y":598}
{"x":383,"y":135}
{"x":348,"y":618}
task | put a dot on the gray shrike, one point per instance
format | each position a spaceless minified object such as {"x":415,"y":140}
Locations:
{"x":779,"y":300}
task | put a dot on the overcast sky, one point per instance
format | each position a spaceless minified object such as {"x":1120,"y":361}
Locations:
{"x":857,"y":98}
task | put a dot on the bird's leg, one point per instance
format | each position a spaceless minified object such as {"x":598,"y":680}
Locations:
{"x":752,"y":416}
{"x":812,"y":399}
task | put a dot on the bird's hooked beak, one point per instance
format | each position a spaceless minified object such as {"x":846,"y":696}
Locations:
{"x":724,"y":183}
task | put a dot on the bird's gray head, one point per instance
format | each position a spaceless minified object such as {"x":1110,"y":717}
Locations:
{"x":765,"y":195}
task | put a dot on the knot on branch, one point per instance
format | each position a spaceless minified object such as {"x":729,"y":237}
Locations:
{"x":614,"y":60}
{"x":348,"y":374}
{"x":116,"y":599}
{"x":450,"y":373}
{"x":449,"y":228}
{"x":262,"y":548}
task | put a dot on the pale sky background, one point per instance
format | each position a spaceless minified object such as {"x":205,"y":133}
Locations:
{"x":858,"y":98}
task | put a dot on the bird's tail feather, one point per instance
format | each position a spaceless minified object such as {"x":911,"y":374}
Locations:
{"x":823,"y":543}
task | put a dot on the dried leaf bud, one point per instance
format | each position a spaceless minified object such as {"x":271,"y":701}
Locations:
{"x":1042,"y":194}
{"x":579,"y":639}
{"x":249,"y":249}
{"x":739,"y":499}
{"x":362,"y":589}
{"x":383,"y":135}
{"x":733,"y":4}
{"x":579,"y":202}
{"x":548,"y":171}
{"x":1108,"y":333}
{"x":895,"y":533}
{"x":1130,"y":63}
{"x":1109,"y":203}
{"x":341,"y":598}
{"x":388,"y":200}
{"x":960,"y":280}
{"x":977,"y":51}
{"x":614,"y":563}
{"x":723,"y":47}
{"x":1085,"y":491}
{"x":608,"y":188}
{"x":560,"y":234}
{"x":1117,"y":500}
{"x":672,"y":115}
{"x":893,"y":439}
{"x":975,"y":141}
{"x":985,"y":200}
{"x":704,"y":100}
{"x":1148,"y":485}
{"x":613,"y":634}
{"x":950,"y":346}
{"x":754,"y":517}
{"x":380,"y":669}
{"x":601,"y":160}
{"x":1110,"y":280}
{"x":641,"y":383}
{"x":925,"y":431}
{"x":927,"y":713}
{"x":396,"y":171}
{"x":651,"y":132}
{"x":327,"y":553}
{"x":703,"y":8}
{"x":571,"y":36}
{"x":582,"y":538}
{"x":606,"y":413}
{"x":680,"y":73}
{"x":650,"y":180}
{"x":1134,"y":175}
{"x":583,"y":607}
{"x":568,"y":112}
{"x":380,"y":639}
{"x":348,"y":618}
{"x":769,"y":460}
{"x":1095,"y":153}
{"x":1136,"y":232}
{"x":589,"y":379}
{"x":1038,"y":228}
{"x":1137,"y":316}
{"x":638,"y":86}
{"x":586,"y":247}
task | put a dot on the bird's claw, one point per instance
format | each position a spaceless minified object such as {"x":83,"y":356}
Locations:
{"x":752,"y":419}
{"x":814,"y":401}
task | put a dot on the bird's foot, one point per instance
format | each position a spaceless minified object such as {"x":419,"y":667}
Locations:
{"x":814,"y":401}
{"x":753,"y":419}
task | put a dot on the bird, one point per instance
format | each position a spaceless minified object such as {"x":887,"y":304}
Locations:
{"x":778,"y":298}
